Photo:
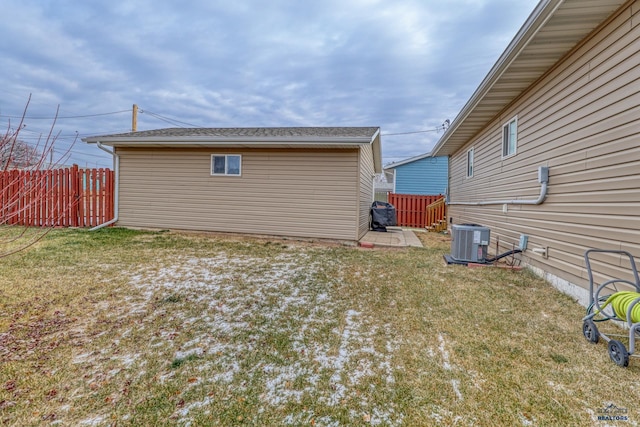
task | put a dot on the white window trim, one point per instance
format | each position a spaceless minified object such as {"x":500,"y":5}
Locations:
{"x":225,"y":165}
{"x":470,"y":151}
{"x":505,"y":143}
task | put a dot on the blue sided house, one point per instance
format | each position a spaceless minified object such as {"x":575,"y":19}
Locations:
{"x":422,"y":175}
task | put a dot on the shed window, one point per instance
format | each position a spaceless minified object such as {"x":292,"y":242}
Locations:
{"x":510,"y":137}
{"x":470,"y":163}
{"x":226,"y":164}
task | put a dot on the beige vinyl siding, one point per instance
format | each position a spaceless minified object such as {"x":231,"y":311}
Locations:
{"x":366,"y":189}
{"x":583,"y":121}
{"x":303,"y":193}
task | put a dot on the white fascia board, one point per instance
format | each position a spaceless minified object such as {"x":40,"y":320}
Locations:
{"x":376,"y":146}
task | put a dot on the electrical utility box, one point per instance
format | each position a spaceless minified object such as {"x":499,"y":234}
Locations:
{"x":469,"y":242}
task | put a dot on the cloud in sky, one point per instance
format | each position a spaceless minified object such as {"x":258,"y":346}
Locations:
{"x":405,"y":65}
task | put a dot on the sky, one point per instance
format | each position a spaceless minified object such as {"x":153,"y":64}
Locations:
{"x":403,"y":65}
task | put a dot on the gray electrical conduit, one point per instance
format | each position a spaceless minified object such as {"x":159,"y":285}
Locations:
{"x":116,"y":190}
{"x":543,"y":179}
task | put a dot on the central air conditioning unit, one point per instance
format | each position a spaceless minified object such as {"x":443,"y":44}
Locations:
{"x":469,"y":243}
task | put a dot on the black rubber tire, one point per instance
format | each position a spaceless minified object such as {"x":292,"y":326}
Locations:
{"x":618,"y":353}
{"x":590,"y":331}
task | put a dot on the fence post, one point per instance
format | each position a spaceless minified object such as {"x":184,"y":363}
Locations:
{"x":74,"y":195}
{"x":94,"y":198}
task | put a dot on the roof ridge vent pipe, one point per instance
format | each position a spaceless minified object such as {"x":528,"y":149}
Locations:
{"x":543,"y":180}
{"x":116,"y":161}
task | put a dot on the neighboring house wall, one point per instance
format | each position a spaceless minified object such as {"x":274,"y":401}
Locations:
{"x":582,"y":120}
{"x":290,"y":192}
{"x":425,"y":176}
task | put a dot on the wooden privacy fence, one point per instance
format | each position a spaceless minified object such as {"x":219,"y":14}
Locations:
{"x":411,"y":209}
{"x":70,"y":197}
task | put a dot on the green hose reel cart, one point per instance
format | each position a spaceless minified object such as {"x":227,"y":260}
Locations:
{"x":616,"y":301}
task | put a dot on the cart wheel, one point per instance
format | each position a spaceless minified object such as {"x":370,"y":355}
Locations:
{"x":618,"y":353}
{"x":590,"y":331}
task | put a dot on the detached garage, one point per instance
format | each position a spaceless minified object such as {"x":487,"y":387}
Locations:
{"x":297,"y":182}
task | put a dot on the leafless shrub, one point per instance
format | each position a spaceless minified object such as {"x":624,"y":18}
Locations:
{"x":27,"y":192}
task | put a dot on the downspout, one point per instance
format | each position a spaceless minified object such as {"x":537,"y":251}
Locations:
{"x":116,"y":165}
{"x":543,"y":179}
{"x":394,"y":179}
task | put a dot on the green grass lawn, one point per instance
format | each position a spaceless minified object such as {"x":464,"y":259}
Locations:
{"x":122,"y":327}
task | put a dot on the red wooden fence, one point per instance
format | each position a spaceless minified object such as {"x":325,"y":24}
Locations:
{"x":411,"y":209}
{"x":70,"y":197}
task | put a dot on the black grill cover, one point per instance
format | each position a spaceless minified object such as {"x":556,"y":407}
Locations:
{"x":383,"y":215}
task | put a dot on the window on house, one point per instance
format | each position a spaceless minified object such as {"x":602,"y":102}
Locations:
{"x":510,"y":137}
{"x":470,"y":163}
{"x":226,"y":164}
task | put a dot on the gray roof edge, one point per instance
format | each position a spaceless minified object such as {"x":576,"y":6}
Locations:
{"x":226,"y":139}
{"x":536,"y":20}
{"x":204,"y":140}
{"x":409,"y":160}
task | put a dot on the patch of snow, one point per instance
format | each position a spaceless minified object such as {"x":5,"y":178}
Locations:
{"x":524,"y":420}
{"x":183,"y":412}
{"x":444,"y":353}
{"x":81,"y":358}
{"x":342,"y":358}
{"x":245,"y":298}
{"x":445,"y":357}
{"x":127,"y":360}
{"x":455,"y":384}
{"x":163,"y":378}
{"x":95,"y":421}
{"x":386,"y":417}
{"x":192,"y":351}
{"x":232,"y":368}
{"x":280,"y":388}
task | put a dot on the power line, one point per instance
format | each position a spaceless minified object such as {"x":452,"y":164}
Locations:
{"x":65,"y":117}
{"x":66,"y":150}
{"x":414,"y":132}
{"x":61,"y":146}
{"x":410,"y":133}
{"x":38,"y":134}
{"x":174,"y":122}
{"x":443,"y":127}
{"x":168,"y":119}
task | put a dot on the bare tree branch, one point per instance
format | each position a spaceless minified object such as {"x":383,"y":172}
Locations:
{"x":27,"y":188}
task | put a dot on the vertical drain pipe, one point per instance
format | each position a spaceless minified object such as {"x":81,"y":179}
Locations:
{"x":116,"y":161}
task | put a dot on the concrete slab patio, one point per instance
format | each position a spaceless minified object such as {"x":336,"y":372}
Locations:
{"x":393,"y":237}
